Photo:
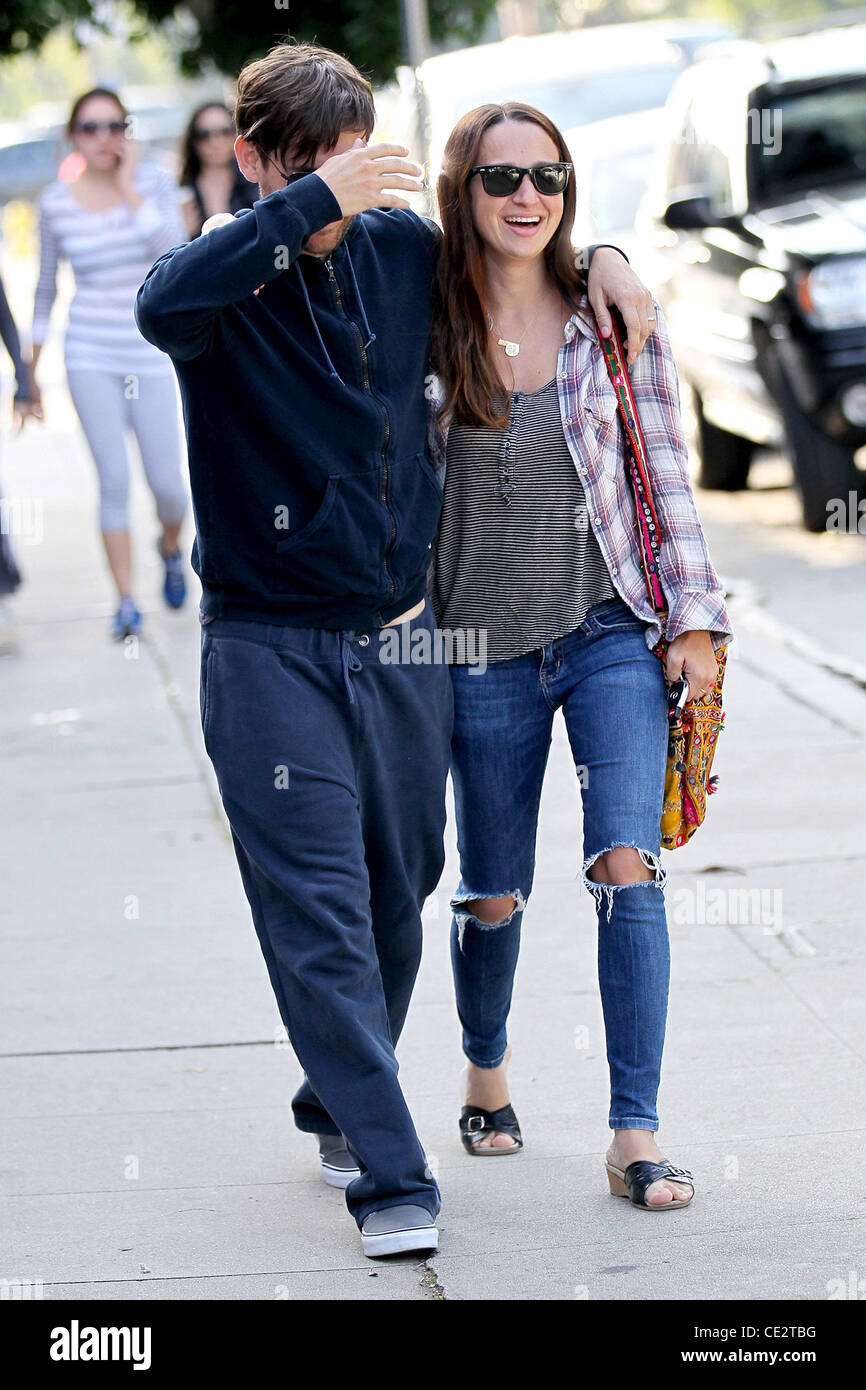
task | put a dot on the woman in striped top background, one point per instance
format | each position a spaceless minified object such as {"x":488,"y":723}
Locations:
{"x":537,"y":572}
{"x":111,"y":224}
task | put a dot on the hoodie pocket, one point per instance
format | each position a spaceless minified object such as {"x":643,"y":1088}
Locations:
{"x":309,"y":561}
{"x":315,"y":523}
{"x":339,"y":551}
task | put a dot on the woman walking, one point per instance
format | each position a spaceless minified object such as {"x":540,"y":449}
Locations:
{"x":210,"y":179}
{"x":111,"y":224}
{"x":537,"y":556}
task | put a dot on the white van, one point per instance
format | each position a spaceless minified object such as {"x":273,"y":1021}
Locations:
{"x":576,"y":77}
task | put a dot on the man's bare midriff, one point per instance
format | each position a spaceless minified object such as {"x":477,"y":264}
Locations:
{"x":410,"y":613}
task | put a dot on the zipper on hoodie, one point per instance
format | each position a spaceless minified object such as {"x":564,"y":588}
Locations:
{"x":365,"y":373}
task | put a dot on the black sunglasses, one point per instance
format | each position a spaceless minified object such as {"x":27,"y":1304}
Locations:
{"x":499,"y":180}
{"x":215,"y":132}
{"x":295,"y":174}
{"x":94,"y":127}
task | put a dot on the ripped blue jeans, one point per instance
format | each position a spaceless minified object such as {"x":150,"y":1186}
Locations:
{"x":611,"y":691}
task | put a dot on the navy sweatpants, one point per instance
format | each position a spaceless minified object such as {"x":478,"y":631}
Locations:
{"x":331,"y":750}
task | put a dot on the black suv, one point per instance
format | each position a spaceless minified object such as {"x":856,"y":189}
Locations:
{"x":756,"y":216}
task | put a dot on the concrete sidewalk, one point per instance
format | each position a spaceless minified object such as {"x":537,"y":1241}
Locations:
{"x":149,"y":1149}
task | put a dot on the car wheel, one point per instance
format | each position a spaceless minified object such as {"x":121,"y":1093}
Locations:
{"x":725,"y":458}
{"x":824,"y":469}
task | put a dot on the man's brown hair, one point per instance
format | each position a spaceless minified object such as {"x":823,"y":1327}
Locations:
{"x":300,"y":98}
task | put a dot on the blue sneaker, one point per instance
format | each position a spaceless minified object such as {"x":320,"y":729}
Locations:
{"x":174,"y":584}
{"x":126,"y":621}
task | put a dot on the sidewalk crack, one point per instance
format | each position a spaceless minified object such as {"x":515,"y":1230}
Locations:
{"x":431,"y":1284}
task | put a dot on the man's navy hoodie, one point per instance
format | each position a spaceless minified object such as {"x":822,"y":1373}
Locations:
{"x":315,"y":503}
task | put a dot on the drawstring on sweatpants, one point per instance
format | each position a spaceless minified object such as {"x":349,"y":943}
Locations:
{"x":351,"y":662}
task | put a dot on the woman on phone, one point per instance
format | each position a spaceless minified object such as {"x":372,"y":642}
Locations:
{"x":111,"y":224}
{"x":537,"y":556}
{"x":210,"y":179}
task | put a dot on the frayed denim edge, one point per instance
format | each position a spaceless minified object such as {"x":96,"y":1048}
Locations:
{"x":607,"y":890}
{"x":462,"y":918}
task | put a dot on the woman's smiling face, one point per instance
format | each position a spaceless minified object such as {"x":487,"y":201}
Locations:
{"x":522,"y":224}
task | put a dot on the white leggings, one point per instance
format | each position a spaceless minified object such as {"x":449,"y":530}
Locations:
{"x":108,"y":403}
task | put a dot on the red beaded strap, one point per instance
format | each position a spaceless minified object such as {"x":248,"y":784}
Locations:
{"x":648,"y":527}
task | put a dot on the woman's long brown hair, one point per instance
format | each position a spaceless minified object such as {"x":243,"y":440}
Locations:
{"x":461,"y":337}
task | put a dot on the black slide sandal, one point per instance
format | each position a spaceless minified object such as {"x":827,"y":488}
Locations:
{"x":476,"y":1123}
{"x":633,"y":1183}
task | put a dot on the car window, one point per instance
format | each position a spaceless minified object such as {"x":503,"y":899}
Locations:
{"x":820,"y":138}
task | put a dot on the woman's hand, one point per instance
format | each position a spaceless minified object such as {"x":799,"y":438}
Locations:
{"x":127,"y":163}
{"x":692,"y":655}
{"x":219,"y":219}
{"x":29,"y":407}
{"x":612,"y":281}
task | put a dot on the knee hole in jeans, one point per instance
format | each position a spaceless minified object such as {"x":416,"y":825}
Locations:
{"x":493,"y":912}
{"x":619,"y":867}
{"x":486,"y":911}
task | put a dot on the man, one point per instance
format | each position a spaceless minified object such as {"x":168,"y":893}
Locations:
{"x":299,"y":331}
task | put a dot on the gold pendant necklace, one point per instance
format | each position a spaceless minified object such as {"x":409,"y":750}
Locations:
{"x":512,"y":348}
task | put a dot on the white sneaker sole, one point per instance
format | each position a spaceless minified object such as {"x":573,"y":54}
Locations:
{"x":339,"y":1177}
{"x":399,"y":1242}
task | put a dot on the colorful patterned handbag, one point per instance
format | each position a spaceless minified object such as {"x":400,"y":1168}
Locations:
{"x":693,"y":730}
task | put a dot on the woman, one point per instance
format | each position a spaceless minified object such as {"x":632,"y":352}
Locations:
{"x":536,"y":557}
{"x":111,"y":224}
{"x":211,"y":181}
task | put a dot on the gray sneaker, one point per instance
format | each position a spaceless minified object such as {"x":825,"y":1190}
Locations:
{"x":398,"y":1229}
{"x":338,"y":1166}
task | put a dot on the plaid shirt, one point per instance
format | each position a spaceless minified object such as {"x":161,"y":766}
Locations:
{"x":588,"y":407}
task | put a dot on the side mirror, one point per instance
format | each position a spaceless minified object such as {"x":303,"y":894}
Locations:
{"x":689,"y":215}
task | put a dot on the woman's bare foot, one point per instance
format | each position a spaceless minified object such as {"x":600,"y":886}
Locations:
{"x":487,"y":1087}
{"x":633,"y":1145}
